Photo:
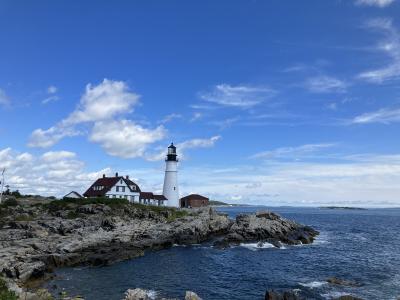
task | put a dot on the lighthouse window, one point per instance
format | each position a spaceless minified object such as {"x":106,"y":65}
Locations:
{"x":174,"y":188}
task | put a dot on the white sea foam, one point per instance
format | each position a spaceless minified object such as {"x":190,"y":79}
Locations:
{"x":322,"y":238}
{"x":313,"y":284}
{"x":334,"y":295}
{"x":257,"y":246}
{"x":151,"y":294}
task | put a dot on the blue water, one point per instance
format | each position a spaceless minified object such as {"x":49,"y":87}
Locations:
{"x":357,"y":245}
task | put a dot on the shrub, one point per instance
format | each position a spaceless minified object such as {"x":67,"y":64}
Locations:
{"x":5,"y":293}
{"x":9,"y":202}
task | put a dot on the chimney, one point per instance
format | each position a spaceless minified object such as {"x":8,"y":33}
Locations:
{"x":104,"y":175}
{"x":116,"y":174}
{"x":127,"y":176}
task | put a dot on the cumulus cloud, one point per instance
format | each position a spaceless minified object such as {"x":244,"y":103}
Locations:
{"x":325,"y":84}
{"x":124,"y":138}
{"x":378,"y":3}
{"x":293,"y":152}
{"x":103,"y":102}
{"x":99,"y":103}
{"x":242,"y":96}
{"x":390,"y":45}
{"x":4,"y":99}
{"x":46,"y":138}
{"x":185,"y":145}
{"x":384,"y":116}
{"x":53,"y":173}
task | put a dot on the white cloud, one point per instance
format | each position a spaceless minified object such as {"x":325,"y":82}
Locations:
{"x":242,"y":96}
{"x":196,"y":116}
{"x":378,"y":3}
{"x":325,"y":84}
{"x":53,"y":98}
{"x":384,"y":116}
{"x":198,"y":143}
{"x":52,"y":89}
{"x":373,"y":182}
{"x":103,"y":102}
{"x":293,"y":152}
{"x":53,"y":173}
{"x":53,"y":156}
{"x":46,"y":138}
{"x":170,"y":117}
{"x":390,"y":45}
{"x":4,"y":99}
{"x":183,"y":146}
{"x":124,"y":138}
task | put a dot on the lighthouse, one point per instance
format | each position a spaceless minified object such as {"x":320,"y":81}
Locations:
{"x":170,"y":189}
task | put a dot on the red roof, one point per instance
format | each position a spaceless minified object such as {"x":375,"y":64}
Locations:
{"x":160,"y":197}
{"x":146,"y":195}
{"x":194,"y":197}
{"x":107,"y":183}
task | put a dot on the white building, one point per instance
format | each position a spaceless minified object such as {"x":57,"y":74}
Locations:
{"x":170,"y":189}
{"x":122,"y":188}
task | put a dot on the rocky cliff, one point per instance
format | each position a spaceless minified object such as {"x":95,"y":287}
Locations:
{"x":36,"y":239}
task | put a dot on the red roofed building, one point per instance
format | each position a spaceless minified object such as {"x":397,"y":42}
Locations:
{"x":114,"y":187}
{"x":194,"y":200}
{"x":123,"y":188}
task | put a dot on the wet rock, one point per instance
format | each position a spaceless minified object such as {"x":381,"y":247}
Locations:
{"x":136,"y":294}
{"x":191,"y":296}
{"x":286,"y":295}
{"x":343,"y":282}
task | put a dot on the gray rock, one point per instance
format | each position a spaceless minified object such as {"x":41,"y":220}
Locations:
{"x":136,"y":294}
{"x":191,"y":296}
{"x":102,"y":236}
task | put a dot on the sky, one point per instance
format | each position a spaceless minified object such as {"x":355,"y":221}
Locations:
{"x":269,"y":102}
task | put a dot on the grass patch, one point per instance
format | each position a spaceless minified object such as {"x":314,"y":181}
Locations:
{"x":24,"y":218}
{"x":5,"y":293}
{"x":72,"y":215}
{"x":71,"y":203}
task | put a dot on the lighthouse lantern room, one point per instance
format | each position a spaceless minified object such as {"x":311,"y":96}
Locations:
{"x":170,"y":189}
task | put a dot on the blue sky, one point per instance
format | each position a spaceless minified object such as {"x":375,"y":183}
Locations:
{"x":269,"y":102}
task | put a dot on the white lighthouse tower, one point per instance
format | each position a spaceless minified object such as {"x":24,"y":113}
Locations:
{"x":170,"y":190}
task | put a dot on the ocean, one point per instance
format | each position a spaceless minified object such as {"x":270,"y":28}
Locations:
{"x":358,"y":245}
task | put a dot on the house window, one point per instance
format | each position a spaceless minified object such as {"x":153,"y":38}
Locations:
{"x":123,"y":189}
{"x":133,"y":187}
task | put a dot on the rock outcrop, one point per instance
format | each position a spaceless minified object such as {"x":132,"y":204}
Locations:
{"x":36,"y":239}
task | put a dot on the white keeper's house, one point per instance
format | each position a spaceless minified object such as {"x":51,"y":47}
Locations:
{"x":123,"y":188}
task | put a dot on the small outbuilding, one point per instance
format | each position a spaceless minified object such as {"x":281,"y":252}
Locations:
{"x":194,"y":200}
{"x":73,"y":194}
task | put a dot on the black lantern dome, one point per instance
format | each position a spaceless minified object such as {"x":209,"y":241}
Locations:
{"x":171,"y":156}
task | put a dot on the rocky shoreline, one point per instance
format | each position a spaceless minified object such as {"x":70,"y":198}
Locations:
{"x":34,"y":240}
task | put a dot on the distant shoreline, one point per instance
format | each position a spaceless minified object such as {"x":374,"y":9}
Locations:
{"x":343,"y":207}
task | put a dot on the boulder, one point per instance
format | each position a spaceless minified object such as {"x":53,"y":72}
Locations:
{"x":191,"y":296}
{"x":285,"y":295}
{"x":136,"y":294}
{"x":343,"y":282}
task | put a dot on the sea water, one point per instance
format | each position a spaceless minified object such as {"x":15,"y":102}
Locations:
{"x":357,"y":245}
